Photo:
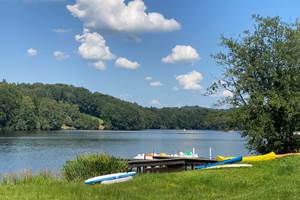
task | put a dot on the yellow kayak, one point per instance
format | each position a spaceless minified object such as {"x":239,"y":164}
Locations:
{"x":269,"y":156}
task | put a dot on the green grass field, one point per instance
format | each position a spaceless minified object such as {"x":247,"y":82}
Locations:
{"x":278,"y":179}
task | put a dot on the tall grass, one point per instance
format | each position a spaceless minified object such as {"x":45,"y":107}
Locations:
{"x":87,"y":166}
{"x":27,"y":176}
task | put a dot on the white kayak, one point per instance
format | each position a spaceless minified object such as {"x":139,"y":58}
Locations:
{"x":229,"y":166}
{"x":119,"y":180}
{"x":109,"y":177}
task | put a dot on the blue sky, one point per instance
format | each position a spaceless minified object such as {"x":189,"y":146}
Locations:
{"x":111,"y":34}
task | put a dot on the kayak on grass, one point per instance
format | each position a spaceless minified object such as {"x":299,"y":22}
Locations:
{"x":120,"y":180}
{"x":269,"y":156}
{"x":230,"y":161}
{"x":230,"y":166}
{"x":287,"y":154}
{"x":109,"y":177}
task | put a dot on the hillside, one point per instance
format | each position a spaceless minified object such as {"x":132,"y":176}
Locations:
{"x":50,"y":106}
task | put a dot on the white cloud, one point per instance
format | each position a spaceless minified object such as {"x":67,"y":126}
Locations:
{"x":93,"y":47}
{"x":126,"y":64}
{"x":148,"y":78}
{"x":190,"y":81}
{"x":182,"y":54}
{"x":156,"y":84}
{"x":155,"y":102}
{"x":117,"y":16}
{"x":59,"y":55}
{"x":100,"y":65}
{"x":227,"y":93}
{"x":61,"y":30}
{"x":32,"y":52}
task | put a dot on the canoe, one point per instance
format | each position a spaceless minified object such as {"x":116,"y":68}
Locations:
{"x":120,"y":180}
{"x":230,"y":161}
{"x":269,"y":156}
{"x":230,"y":166}
{"x":109,"y":177}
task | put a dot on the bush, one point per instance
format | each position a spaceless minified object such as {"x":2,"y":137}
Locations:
{"x":87,"y":122}
{"x":87,"y":166}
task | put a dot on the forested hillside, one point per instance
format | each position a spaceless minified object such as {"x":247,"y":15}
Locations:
{"x":55,"y":106}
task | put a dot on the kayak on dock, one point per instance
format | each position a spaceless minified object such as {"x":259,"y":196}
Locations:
{"x":269,"y":156}
{"x":110,"y":178}
{"x":230,"y":161}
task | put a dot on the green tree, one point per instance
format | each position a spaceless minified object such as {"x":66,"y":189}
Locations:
{"x":25,"y":118}
{"x":262,"y":71}
{"x":10,"y":99}
{"x":87,"y":122}
{"x":51,"y":115}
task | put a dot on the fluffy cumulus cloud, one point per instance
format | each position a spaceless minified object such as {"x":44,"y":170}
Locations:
{"x":126,"y":64}
{"x":155,"y":84}
{"x":93,"y":47}
{"x":117,"y":16}
{"x":59,"y":55}
{"x":155,"y":102}
{"x":190,"y":81}
{"x":182,"y":54}
{"x":32,"y":52}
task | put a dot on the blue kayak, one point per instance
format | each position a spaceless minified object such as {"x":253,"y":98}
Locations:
{"x":233,"y":160}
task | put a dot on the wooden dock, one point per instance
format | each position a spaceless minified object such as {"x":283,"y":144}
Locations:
{"x":167,"y":164}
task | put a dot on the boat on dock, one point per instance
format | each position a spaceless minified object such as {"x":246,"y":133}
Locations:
{"x":151,"y":156}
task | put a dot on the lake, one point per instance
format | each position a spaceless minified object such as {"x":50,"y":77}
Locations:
{"x":50,"y":150}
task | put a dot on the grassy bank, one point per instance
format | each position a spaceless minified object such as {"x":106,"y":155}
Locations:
{"x":278,"y":179}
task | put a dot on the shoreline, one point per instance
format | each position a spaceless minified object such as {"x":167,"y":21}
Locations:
{"x":125,"y":131}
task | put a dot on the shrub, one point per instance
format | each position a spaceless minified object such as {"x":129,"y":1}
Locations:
{"x":87,"y":122}
{"x":87,"y":166}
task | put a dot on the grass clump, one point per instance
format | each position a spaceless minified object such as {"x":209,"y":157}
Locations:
{"x":91,"y":165}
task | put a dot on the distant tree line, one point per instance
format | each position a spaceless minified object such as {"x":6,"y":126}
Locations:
{"x":53,"y":106}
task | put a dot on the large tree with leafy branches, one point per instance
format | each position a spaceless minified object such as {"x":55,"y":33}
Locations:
{"x":262,"y":72}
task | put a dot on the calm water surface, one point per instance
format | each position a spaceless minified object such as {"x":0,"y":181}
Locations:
{"x":50,"y":150}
